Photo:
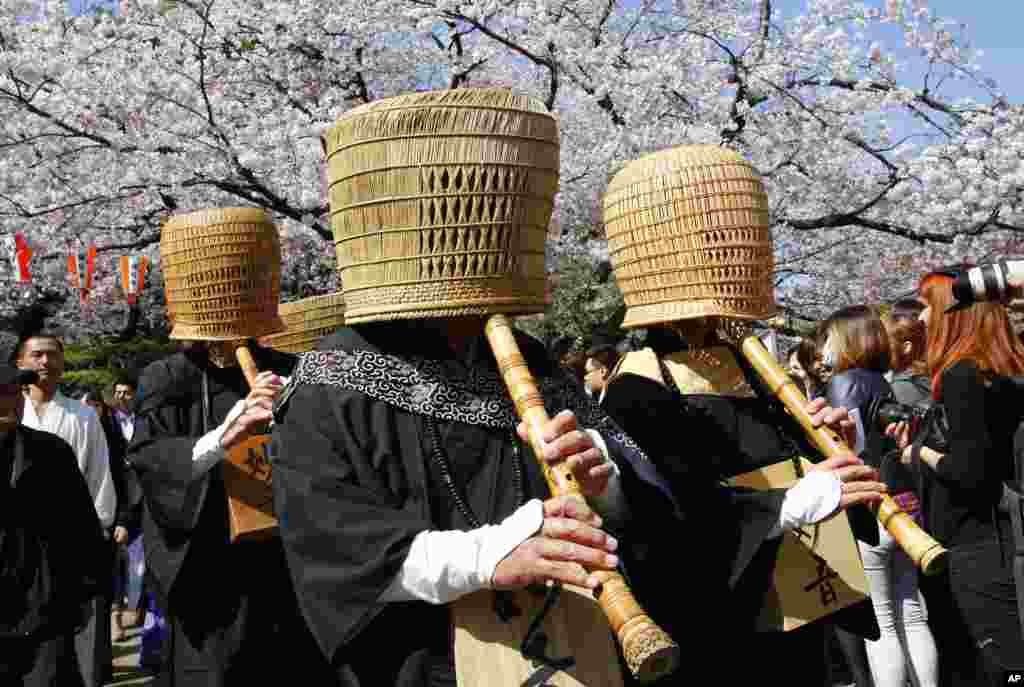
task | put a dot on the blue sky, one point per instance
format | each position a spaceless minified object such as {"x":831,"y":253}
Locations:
{"x":992,"y":25}
{"x":77,"y":6}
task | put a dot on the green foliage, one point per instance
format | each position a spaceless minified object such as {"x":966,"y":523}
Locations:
{"x":584,"y":304}
{"x":73,"y":384}
{"x":116,"y":354}
{"x":98,"y":362}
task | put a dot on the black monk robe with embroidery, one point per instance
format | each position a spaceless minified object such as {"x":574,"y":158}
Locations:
{"x":358,"y":477}
{"x":234,"y":618}
{"x":698,"y":440}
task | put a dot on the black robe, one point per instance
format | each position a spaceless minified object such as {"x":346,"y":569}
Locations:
{"x":231,"y":606}
{"x":357,"y":480}
{"x":53,"y":557}
{"x":696,"y":444}
{"x":52,"y":550}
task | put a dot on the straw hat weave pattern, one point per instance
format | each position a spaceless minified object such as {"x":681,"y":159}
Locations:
{"x":440,"y":203}
{"x":222,"y":274}
{"x":306,"y":321}
{"x":688,"y":237}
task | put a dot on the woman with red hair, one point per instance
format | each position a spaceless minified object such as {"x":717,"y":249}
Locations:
{"x":971,"y":355}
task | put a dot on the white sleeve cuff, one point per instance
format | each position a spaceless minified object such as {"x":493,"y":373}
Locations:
{"x":444,"y":565}
{"x":208,"y":451}
{"x":611,"y":505}
{"x":812,"y":499}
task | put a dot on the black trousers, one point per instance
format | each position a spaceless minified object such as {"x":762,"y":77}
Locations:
{"x":35,"y":662}
{"x":985,"y":596}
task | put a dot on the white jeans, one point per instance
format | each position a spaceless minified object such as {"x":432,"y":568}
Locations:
{"x":906,"y":645}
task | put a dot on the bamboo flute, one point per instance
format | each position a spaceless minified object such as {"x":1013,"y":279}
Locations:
{"x":245,"y":361}
{"x":927,"y":554}
{"x":649,"y":652}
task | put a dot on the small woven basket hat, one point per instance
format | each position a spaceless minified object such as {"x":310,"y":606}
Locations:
{"x":222,"y":274}
{"x":307,"y":321}
{"x":688,"y":237}
{"x":440,"y":203}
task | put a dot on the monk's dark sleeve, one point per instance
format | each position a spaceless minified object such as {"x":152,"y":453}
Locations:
{"x":161,"y":451}
{"x":688,"y":452}
{"x":347,"y":507}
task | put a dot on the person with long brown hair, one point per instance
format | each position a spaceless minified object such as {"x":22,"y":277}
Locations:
{"x":972,"y":353}
{"x":908,"y":342}
{"x":859,"y":347}
{"x":804,"y":366}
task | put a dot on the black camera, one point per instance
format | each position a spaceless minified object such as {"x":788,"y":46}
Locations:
{"x":885,"y":410}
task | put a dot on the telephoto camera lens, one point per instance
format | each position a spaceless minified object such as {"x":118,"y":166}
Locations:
{"x":989,"y":282}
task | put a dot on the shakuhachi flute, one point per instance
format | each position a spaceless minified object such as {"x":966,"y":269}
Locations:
{"x":245,"y":361}
{"x":927,"y":554}
{"x":649,"y":652}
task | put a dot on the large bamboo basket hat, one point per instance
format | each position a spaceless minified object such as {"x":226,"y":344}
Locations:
{"x":222,"y":274}
{"x":307,"y":321}
{"x":688,"y":237}
{"x":440,"y":203}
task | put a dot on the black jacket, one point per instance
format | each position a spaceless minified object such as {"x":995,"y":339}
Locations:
{"x":856,"y":389}
{"x":126,"y":482}
{"x":53,"y":556}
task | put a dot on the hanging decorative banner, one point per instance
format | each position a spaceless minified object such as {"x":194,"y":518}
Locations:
{"x":24,"y":256}
{"x":16,"y":249}
{"x":133,"y":275}
{"x":81,"y":268}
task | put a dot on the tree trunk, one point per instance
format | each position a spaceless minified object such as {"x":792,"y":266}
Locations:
{"x":131,"y":322}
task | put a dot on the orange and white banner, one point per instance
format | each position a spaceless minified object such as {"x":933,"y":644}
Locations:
{"x":81,"y":267}
{"x":133,"y":275}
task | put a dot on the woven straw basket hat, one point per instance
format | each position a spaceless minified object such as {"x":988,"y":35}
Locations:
{"x":440,"y":203}
{"x":688,"y":237}
{"x":222,"y":274}
{"x":307,"y":321}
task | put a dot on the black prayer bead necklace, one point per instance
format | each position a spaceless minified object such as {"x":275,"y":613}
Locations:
{"x":444,"y":468}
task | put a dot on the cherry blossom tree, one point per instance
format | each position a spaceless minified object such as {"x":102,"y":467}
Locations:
{"x":109,"y":123}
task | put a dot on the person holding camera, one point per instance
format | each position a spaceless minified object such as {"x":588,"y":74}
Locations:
{"x":972,"y":354}
{"x":858,"y":350}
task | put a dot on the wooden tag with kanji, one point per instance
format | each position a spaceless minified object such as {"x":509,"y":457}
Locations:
{"x":247,"y":481}
{"x":818,"y":569}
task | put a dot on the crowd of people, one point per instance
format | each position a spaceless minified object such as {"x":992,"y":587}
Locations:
{"x":420,"y":534}
{"x":966,"y":623}
{"x":951,"y":630}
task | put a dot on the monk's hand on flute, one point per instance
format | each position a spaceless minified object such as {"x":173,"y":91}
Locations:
{"x":569,"y":542}
{"x":565,"y":442}
{"x":254,"y":411}
{"x":837,"y":419}
{"x":860,"y":482}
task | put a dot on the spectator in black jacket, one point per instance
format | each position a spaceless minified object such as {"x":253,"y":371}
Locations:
{"x":858,"y":349}
{"x":51,"y":557}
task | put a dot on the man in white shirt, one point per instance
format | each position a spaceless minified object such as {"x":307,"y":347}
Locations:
{"x":48,"y":410}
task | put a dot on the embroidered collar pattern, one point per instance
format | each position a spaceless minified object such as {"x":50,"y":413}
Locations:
{"x":445,"y":390}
